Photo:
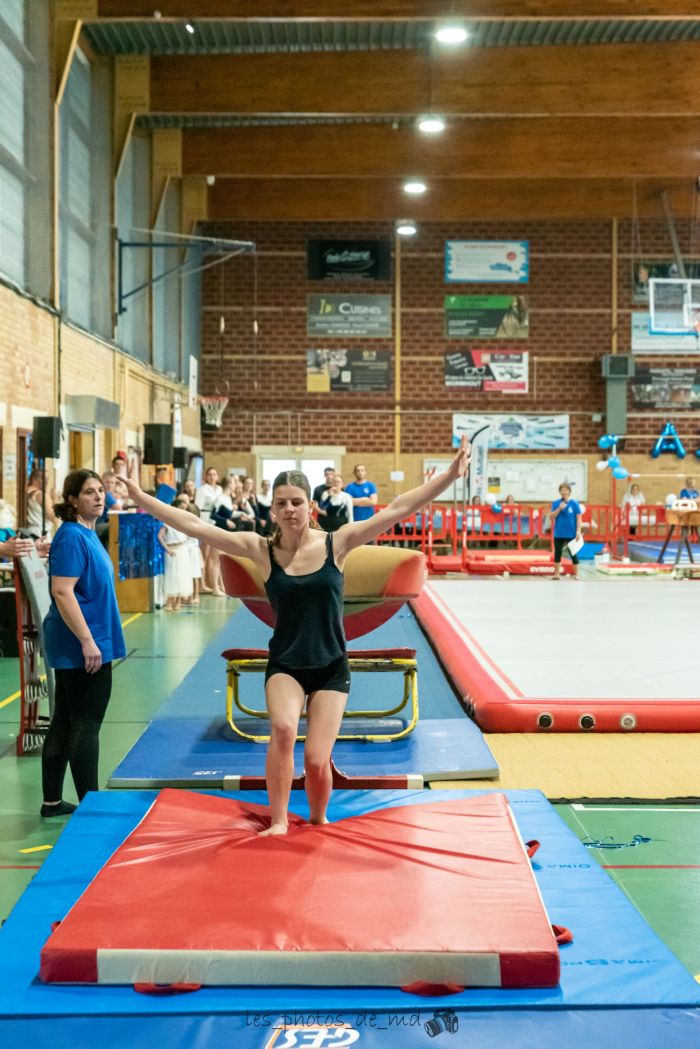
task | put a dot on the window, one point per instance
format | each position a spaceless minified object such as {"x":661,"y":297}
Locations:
{"x":85,"y":197}
{"x":24,"y":146}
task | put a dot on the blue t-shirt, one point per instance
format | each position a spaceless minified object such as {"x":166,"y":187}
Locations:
{"x":565,"y":522}
{"x":361,"y":490}
{"x":165,"y":493}
{"x":689,"y":493}
{"x":77,"y":552}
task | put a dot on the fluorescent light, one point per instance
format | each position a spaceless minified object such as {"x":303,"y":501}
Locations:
{"x":406,"y":227}
{"x":451,"y":33}
{"x":431,"y":125}
{"x":415,"y":187}
{"x":189,"y":27}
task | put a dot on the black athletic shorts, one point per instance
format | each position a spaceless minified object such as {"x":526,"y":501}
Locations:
{"x":333,"y":678}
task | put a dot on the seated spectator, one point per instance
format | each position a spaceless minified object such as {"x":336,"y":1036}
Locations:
{"x":335,"y":507}
{"x":40,"y":516}
{"x":164,"y":492}
{"x":264,"y":524}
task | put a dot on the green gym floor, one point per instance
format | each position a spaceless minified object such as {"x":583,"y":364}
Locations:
{"x":651,"y":851}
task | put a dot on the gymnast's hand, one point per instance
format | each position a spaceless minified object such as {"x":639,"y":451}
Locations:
{"x":132,"y":480}
{"x":460,"y":464}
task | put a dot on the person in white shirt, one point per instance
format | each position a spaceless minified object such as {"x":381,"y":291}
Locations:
{"x":633,"y":499}
{"x":205,"y":497}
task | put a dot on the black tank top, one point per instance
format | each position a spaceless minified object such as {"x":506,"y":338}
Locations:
{"x":309,"y":614}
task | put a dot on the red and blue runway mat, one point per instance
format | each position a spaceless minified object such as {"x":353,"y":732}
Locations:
{"x":618,"y":980}
{"x":189,"y":744}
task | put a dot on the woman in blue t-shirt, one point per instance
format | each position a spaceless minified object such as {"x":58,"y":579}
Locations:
{"x":82,"y":635}
{"x":566,"y":515}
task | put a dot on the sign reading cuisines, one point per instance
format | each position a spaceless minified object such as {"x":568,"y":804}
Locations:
{"x":356,"y":316}
{"x":348,"y":260}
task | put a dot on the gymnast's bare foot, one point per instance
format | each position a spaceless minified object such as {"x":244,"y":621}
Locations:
{"x":274,"y":828}
{"x":319,"y":822}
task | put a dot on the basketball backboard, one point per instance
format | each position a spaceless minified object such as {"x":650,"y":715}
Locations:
{"x":674,"y":306}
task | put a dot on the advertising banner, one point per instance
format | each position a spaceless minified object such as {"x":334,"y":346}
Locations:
{"x":357,"y":316}
{"x":486,"y":317}
{"x":666,"y":388}
{"x":503,"y":371}
{"x":350,"y":370}
{"x":487,"y":261}
{"x":349,"y":260}
{"x":516,"y":432}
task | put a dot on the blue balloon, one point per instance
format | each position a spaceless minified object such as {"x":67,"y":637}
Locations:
{"x":619,"y":473}
{"x":497,"y":508}
{"x":668,"y":442}
{"x":607,"y":441}
{"x":613,"y":461}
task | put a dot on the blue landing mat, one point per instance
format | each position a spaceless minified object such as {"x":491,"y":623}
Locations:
{"x":205,"y":754}
{"x":618,"y":979}
{"x":650,"y":551}
{"x":189,"y":743}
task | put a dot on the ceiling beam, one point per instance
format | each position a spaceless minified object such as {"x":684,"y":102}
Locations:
{"x":328,"y":200}
{"x":607,"y":79}
{"x":387,"y":10}
{"x":539,"y":148}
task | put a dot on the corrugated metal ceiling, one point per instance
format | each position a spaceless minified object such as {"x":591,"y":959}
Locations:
{"x":223,"y":37}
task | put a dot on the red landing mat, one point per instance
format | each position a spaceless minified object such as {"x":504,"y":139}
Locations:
{"x":442,"y":893}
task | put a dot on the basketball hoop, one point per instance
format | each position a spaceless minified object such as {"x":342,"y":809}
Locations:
{"x":213,"y":408}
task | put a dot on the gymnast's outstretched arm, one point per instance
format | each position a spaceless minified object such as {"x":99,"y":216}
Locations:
{"x":354,"y":535}
{"x":240,"y":544}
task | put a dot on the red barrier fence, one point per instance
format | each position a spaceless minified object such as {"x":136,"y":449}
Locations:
{"x":453,"y":531}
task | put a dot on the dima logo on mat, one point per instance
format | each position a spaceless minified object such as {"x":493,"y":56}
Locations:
{"x":308,"y":1036}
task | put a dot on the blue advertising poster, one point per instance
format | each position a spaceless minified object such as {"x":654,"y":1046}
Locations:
{"x":487,"y":261}
{"x":516,"y":432}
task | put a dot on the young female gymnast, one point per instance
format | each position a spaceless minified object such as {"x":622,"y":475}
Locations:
{"x":302,"y":567}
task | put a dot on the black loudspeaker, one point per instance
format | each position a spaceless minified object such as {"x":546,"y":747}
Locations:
{"x":179,"y":458}
{"x":157,"y":443}
{"x":46,"y":437}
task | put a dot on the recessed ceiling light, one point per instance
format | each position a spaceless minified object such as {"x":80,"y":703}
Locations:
{"x":431,"y":125}
{"x":406,"y":227}
{"x":451,"y":33}
{"x":415,"y":187}
{"x":189,"y":27}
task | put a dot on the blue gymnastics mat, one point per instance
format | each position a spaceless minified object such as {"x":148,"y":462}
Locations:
{"x":650,"y":550}
{"x":193,"y":753}
{"x":189,"y":743}
{"x":618,"y":979}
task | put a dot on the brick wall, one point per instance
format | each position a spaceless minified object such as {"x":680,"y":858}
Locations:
{"x":570,"y":300}
{"x":88,"y":366}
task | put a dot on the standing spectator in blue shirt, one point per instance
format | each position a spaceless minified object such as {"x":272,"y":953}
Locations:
{"x":82,"y":635}
{"x":566,"y":515}
{"x":690,"y":491}
{"x":363,"y":494}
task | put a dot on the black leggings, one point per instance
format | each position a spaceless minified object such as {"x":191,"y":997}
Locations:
{"x":73,"y":736}
{"x":559,"y":546}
